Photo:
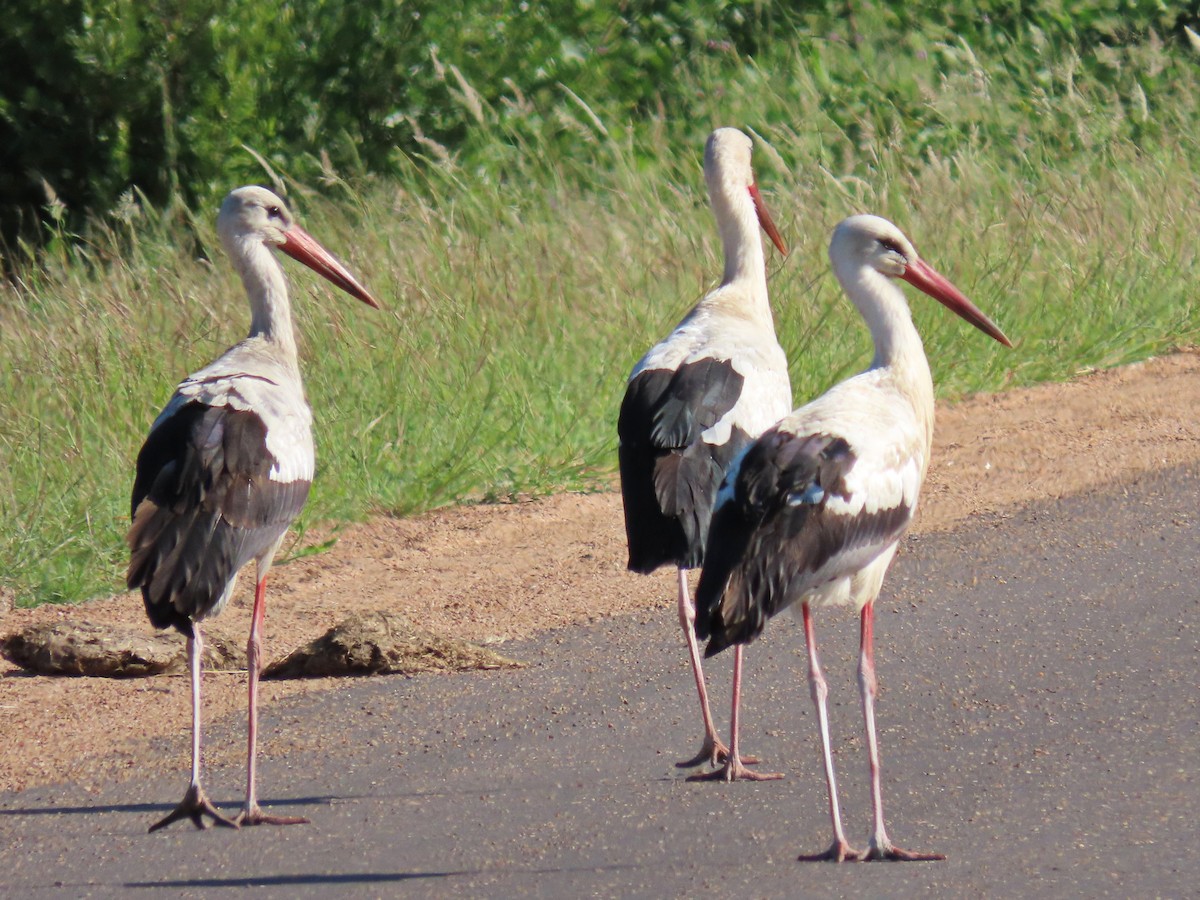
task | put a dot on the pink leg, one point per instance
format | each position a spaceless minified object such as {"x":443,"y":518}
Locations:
{"x":840,"y":850}
{"x":712,"y":751}
{"x":252,"y":814}
{"x":734,"y":769}
{"x":195,"y":654}
{"x":879,"y":846}
{"x":195,"y":804}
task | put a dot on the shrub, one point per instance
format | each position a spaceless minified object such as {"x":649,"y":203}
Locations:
{"x":98,"y":97}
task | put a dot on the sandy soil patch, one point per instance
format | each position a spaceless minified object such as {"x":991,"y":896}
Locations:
{"x":494,"y":573}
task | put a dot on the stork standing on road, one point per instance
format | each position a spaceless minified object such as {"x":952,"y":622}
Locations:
{"x":227,"y":467}
{"x":815,"y":508}
{"x":695,"y":400}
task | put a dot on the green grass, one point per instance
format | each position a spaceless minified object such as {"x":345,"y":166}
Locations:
{"x":517,"y":294}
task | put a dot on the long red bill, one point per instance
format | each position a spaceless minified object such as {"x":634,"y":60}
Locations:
{"x":765,"y":220}
{"x":924,"y":277}
{"x":302,"y":246}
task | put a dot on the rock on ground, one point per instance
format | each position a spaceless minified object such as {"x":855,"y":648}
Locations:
{"x":111,"y":651}
{"x":383,"y":643}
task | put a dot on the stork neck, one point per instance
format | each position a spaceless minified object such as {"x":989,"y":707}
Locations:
{"x":745,"y":263}
{"x":898,"y":346}
{"x":270,"y":309}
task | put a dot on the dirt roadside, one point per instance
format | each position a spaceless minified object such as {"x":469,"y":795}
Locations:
{"x":494,"y":573}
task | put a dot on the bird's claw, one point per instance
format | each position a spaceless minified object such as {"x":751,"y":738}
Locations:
{"x":713,"y":753}
{"x":195,"y":805}
{"x":735,"y":770}
{"x":889,"y":852}
{"x":253,"y":815}
{"x":885,"y":850}
{"x":839,"y":851}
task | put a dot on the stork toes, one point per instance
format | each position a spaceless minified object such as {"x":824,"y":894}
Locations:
{"x":709,"y":755}
{"x":889,"y":852}
{"x":839,"y":851}
{"x":195,"y":805}
{"x":886,"y":851}
{"x":735,"y":770}
{"x":712,"y":753}
{"x":253,"y":815}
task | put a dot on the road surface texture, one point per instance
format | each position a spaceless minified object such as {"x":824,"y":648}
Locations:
{"x":1039,"y":724}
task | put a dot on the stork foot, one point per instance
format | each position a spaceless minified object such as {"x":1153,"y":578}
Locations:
{"x":839,"y":851}
{"x":713,"y":753}
{"x":735,"y":770}
{"x":195,"y":805}
{"x":889,"y":852}
{"x":253,"y":815}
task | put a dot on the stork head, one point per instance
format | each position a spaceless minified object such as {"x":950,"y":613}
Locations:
{"x":876,"y":243}
{"x":730,"y":176}
{"x":254,"y":214}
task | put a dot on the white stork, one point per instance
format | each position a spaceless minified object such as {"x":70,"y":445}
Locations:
{"x":227,"y":467}
{"x":814,"y":509}
{"x":695,"y":400}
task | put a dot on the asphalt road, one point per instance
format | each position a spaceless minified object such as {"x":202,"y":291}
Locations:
{"x":1039,"y":719}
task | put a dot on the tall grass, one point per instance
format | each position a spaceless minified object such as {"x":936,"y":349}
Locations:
{"x":517,"y":294}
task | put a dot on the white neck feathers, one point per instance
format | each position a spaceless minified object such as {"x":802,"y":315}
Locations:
{"x":745,"y":274}
{"x":266,"y":287}
{"x":898,"y":347}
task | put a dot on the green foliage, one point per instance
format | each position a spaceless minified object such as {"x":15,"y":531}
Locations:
{"x":102,"y":97}
{"x":532,"y":212}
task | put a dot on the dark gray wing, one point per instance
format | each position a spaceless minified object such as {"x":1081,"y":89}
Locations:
{"x":669,"y":476}
{"x":203,"y":506}
{"x":777,"y":532}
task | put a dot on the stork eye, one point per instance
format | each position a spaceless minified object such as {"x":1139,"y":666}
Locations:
{"x":890,"y":245}
{"x":274,"y":212}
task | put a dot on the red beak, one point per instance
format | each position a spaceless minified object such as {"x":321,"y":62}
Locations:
{"x":765,"y":220}
{"x":924,"y":277}
{"x":302,"y":246}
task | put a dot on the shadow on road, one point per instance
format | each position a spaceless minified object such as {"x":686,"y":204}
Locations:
{"x":160,"y":808}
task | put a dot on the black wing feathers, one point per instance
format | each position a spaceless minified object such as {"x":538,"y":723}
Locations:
{"x":203,"y":506}
{"x":694,"y":399}
{"x":775,"y":529}
{"x":669,"y":476}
